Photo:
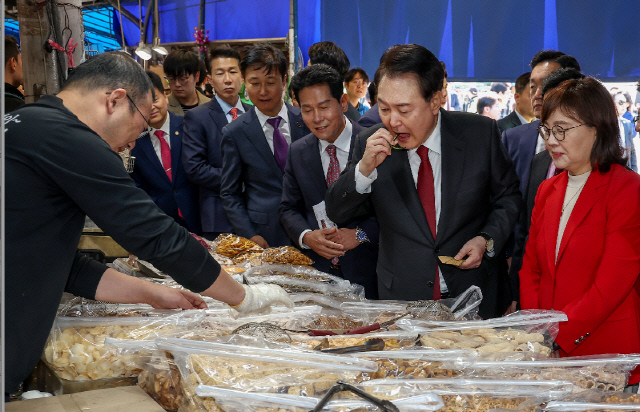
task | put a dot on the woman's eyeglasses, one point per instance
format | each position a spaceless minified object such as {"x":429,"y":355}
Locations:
{"x":557,"y":130}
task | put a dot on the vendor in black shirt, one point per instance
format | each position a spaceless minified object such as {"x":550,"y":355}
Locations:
{"x":61,"y":164}
{"x":13,"y":77}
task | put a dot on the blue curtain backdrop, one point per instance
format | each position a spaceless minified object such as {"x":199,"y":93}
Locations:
{"x":478,"y":40}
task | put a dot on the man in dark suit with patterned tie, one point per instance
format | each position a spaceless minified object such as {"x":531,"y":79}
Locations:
{"x":158,"y":166}
{"x":313,"y":164}
{"x":447,"y":188}
{"x":254,"y":149}
{"x":201,"y":153}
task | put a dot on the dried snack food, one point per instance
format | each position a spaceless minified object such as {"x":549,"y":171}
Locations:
{"x":254,"y":258}
{"x":393,"y":340}
{"x":487,"y":340}
{"x":231,"y":245}
{"x":591,"y":400}
{"x":285,"y":255}
{"x":160,"y":378}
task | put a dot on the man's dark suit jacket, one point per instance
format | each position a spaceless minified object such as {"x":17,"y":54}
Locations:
{"x":371,"y":117}
{"x":202,"y":160}
{"x":539,"y":168}
{"x":352,"y":113}
{"x":479,"y":194}
{"x":509,"y":122}
{"x":169,"y":195}
{"x":521,"y":145}
{"x":251,"y":186}
{"x":305,"y":186}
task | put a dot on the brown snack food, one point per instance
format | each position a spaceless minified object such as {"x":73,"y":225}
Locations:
{"x":324,"y":322}
{"x":448,"y":260}
{"x":255,"y":258}
{"x":231,"y":245}
{"x":408,"y":368}
{"x":631,"y":400}
{"x":285,"y":255}
{"x":340,"y":341}
{"x":476,"y":403}
{"x":163,"y":386}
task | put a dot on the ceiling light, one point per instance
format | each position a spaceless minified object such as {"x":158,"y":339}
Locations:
{"x":157,"y":48}
{"x":143,"y":51}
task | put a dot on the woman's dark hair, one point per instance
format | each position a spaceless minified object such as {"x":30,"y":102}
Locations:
{"x":314,"y":75}
{"x":485,"y":102}
{"x":558,"y":76}
{"x":112,"y":70}
{"x":414,"y":59}
{"x":352,"y":73}
{"x":588,"y":101}
{"x":264,"y":55}
{"x":181,"y":63}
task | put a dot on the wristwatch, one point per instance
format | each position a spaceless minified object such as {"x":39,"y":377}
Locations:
{"x":490,"y":252}
{"x":361,"y":236}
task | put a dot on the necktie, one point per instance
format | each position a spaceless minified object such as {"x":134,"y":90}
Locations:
{"x":333,"y":172}
{"x":234,"y":113}
{"x":280,"y":145}
{"x":165,"y":153}
{"x":426,"y":193}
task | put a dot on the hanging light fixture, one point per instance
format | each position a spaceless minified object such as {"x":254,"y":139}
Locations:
{"x":143,"y":51}
{"x":157,"y":48}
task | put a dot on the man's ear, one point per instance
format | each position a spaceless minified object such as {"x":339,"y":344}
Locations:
{"x":344,"y":102}
{"x":115,"y":98}
{"x":11,"y":64}
{"x":284,"y":80}
{"x":436,"y":101}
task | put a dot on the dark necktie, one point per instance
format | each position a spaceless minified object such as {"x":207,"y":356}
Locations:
{"x":333,"y":172}
{"x":280,"y":145}
{"x":234,"y":113}
{"x":426,"y":193}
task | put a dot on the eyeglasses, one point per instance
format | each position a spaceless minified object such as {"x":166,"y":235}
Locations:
{"x":558,"y":132}
{"x":621,"y":102}
{"x":146,"y":129}
{"x":181,"y":79}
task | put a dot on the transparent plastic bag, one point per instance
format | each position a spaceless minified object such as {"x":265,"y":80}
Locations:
{"x":285,"y":255}
{"x":76,"y":348}
{"x":393,"y":340}
{"x":604,"y":372}
{"x":160,"y":378}
{"x":325,"y":301}
{"x":232,"y":245}
{"x":596,"y":401}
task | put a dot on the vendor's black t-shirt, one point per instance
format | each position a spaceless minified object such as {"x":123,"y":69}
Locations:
{"x":57,"y":171}
{"x":186,"y":108}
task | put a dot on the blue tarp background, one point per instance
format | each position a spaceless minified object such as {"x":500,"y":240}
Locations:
{"x":479,"y":40}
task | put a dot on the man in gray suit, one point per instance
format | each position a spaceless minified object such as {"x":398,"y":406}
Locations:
{"x":447,"y":189}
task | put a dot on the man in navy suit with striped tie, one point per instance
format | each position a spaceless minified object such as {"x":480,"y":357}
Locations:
{"x":158,"y":166}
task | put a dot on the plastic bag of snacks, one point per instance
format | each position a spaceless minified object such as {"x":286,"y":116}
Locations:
{"x":253,"y":369}
{"x":234,"y":400}
{"x":596,"y":401}
{"x":302,"y":279}
{"x":231,"y":245}
{"x":393,"y":340}
{"x":76,"y":347}
{"x":160,"y":378}
{"x":524,"y":331}
{"x":605,"y":372}
{"x":474,"y":394}
{"x":416,"y":363}
{"x":285,"y":255}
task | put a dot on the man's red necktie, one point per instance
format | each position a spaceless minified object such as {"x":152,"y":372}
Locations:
{"x":333,"y":173}
{"x":165,"y":154}
{"x":426,"y":193}
{"x":234,"y":113}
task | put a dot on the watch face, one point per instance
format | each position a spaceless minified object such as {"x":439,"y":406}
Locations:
{"x":490,"y":244}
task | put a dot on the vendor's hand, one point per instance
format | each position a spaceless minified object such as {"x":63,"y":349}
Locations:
{"x":163,"y":297}
{"x":473,"y":250}
{"x":260,"y":241}
{"x":262,"y":296}
{"x":318,"y":240}
{"x":377,"y":149}
{"x":346,"y":237}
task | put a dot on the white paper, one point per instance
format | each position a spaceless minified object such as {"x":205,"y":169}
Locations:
{"x":320,"y":211}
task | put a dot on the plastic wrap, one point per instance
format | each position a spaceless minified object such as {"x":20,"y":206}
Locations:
{"x":76,"y":347}
{"x":231,"y":245}
{"x":596,"y":401}
{"x":160,"y":378}
{"x":416,"y":363}
{"x":285,"y":255}
{"x":86,"y":308}
{"x":605,"y":372}
{"x":232,"y":400}
{"x":474,"y":394}
{"x":302,"y":279}
{"x":392,"y":339}
{"x":257,"y":369}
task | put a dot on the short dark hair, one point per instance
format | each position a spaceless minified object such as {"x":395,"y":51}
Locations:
{"x":329,"y":53}
{"x":522,"y":81}
{"x":414,"y":59}
{"x":314,"y":75}
{"x":556,"y":77}
{"x":485,"y":102}
{"x":267,"y":56}
{"x":11,"y":48}
{"x":180,"y":63}
{"x":498,"y":87}
{"x":373,"y":93}
{"x":564,"y":60}
{"x":222,"y":53}
{"x":112,"y":70}
{"x":156,"y":81}
{"x":444,"y":67}
{"x":352,"y":73}
{"x":588,"y":101}
{"x":203,"y":73}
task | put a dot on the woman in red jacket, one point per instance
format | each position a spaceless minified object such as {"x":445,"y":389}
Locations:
{"x":583,"y":252}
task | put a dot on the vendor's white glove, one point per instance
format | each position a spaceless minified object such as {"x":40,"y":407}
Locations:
{"x":262,"y":296}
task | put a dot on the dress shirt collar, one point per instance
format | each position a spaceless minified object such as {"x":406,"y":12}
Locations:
{"x":522,"y":119}
{"x":165,"y":128}
{"x":343,"y":142}
{"x":434,"y":142}
{"x":226,"y":107}
{"x":284,"y":113}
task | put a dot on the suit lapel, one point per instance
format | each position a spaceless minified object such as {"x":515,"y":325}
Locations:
{"x":452,"y":164}
{"x":296,"y":126}
{"x":551,"y":220}
{"x":530,"y":144}
{"x":217,"y":114}
{"x":312,"y":161}
{"x":175,"y":137}
{"x":586,"y":199}
{"x":147,"y":148}
{"x":253,"y":132}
